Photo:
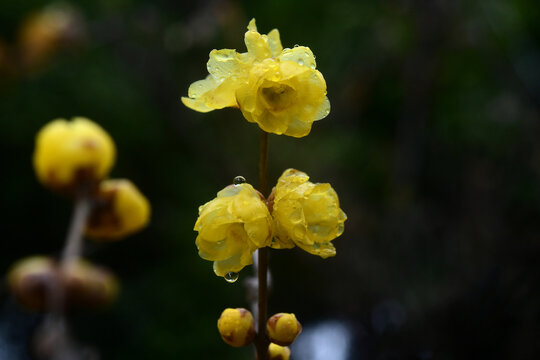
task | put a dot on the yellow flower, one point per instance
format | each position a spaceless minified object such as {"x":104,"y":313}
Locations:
{"x":231,"y":227}
{"x":306,"y":214}
{"x":279,"y":89}
{"x":277,"y":352}
{"x":283,"y":328}
{"x":68,"y":153}
{"x":121,"y":209}
{"x":236,"y":327}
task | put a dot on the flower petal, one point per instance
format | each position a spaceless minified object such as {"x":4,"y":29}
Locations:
{"x":302,"y":55}
{"x":274,"y":42}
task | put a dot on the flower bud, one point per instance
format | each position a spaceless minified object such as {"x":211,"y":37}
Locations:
{"x":32,"y":281}
{"x":68,"y":154}
{"x":87,"y":285}
{"x":236,"y":327}
{"x":120,"y":210}
{"x":283,"y":328}
{"x":276,"y":352}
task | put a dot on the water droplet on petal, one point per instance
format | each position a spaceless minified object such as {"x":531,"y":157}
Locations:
{"x":231,"y":277}
{"x":239,"y":180}
{"x":300,"y":62}
{"x":312,"y":66}
{"x":296,"y":45}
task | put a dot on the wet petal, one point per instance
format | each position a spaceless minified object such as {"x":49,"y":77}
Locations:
{"x":274,"y":42}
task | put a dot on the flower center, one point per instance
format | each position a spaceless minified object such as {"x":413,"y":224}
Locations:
{"x":278,"y":96}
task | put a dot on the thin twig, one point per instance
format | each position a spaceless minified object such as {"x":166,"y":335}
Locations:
{"x":262,"y":341}
{"x":74,"y":241}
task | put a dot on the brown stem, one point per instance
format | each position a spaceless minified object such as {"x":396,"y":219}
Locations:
{"x":263,"y":163}
{"x":52,"y":338}
{"x":261,"y":342}
{"x":74,"y":241}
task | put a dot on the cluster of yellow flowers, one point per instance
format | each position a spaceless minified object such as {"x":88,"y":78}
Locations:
{"x":279,"y":89}
{"x":74,"y":158}
{"x":239,"y":221}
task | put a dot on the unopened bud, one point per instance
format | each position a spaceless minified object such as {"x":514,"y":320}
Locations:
{"x":236,"y":327}
{"x":71,"y":153}
{"x":277,"y":352}
{"x":87,"y":285}
{"x":32,"y":281}
{"x":121,"y":209}
{"x":283,"y":328}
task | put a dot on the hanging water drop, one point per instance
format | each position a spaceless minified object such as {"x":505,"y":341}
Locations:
{"x":239,"y":180}
{"x":231,"y":277}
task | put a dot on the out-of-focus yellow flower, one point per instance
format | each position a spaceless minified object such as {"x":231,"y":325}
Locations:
{"x":87,"y":285}
{"x":277,"y":352}
{"x":121,"y":209}
{"x":306,"y":214}
{"x":44,"y":32}
{"x":283,"y":328}
{"x":31,"y":280}
{"x":279,"y":89}
{"x":68,"y":153}
{"x":236,"y":327}
{"x":231,"y":227}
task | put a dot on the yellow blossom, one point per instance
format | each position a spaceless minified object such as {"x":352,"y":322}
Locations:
{"x":67,"y":153}
{"x":306,"y":214}
{"x":236,"y":327}
{"x":283,"y":328}
{"x":121,"y":209}
{"x":277,"y":352}
{"x":231,"y":227}
{"x":279,"y":89}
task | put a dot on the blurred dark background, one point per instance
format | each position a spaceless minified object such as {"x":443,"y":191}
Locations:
{"x":432,"y":145}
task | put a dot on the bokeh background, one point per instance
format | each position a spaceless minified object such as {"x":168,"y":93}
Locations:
{"x":432,"y":145}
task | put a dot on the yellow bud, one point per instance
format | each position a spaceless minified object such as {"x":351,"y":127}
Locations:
{"x":276,"y":352}
{"x":283,"y":328}
{"x":70,"y":153}
{"x":87,"y":285}
{"x":120,"y":210}
{"x":236,"y":327}
{"x":32,"y":281}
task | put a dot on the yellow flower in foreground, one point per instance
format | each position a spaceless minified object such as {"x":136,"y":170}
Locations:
{"x":279,"y":89}
{"x":67,"y":153}
{"x":231,"y":227}
{"x":283,"y":328}
{"x":120,"y":210}
{"x":306,"y":214}
{"x":236,"y":327}
{"x":277,"y":352}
